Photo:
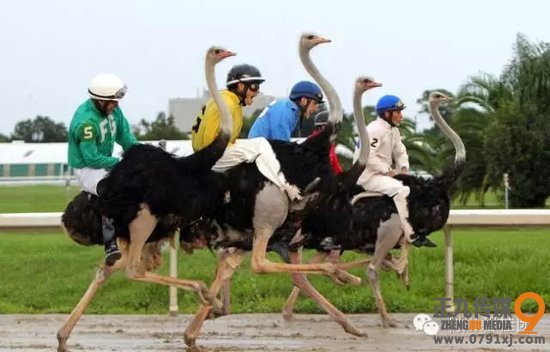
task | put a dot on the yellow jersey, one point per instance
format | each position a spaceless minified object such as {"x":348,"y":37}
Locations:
{"x":207,"y":124}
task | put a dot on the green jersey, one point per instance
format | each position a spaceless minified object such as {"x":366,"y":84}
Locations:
{"x":92,"y":137}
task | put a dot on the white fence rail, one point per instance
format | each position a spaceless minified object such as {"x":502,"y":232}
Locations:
{"x":29,"y":220}
{"x":484,"y":218}
{"x":458,"y":219}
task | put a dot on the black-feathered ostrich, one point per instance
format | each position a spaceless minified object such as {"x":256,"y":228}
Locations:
{"x":257,"y":208}
{"x":146,"y":186}
{"x":375,"y":223}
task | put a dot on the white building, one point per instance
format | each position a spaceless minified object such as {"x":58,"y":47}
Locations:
{"x":48,"y":161}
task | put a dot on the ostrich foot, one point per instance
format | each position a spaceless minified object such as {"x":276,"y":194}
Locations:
{"x":288,"y":316}
{"x":350,"y":329}
{"x":391,"y":323}
{"x":217,"y":312}
{"x":343,"y":277}
{"x":194,"y":348}
{"x":62,"y":345}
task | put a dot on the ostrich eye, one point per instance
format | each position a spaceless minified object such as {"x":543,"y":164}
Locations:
{"x":366,"y":80}
{"x":218,"y":51}
{"x":310,"y":37}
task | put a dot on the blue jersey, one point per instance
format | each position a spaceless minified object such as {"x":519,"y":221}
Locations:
{"x":277,"y":121}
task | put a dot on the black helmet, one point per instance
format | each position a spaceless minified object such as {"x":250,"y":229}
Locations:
{"x":243,"y":73}
{"x":321,"y":118}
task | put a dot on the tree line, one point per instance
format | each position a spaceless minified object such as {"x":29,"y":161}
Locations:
{"x":503,"y":120}
{"x":43,"y":129}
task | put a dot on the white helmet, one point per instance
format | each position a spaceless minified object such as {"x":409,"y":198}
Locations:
{"x":106,"y":86}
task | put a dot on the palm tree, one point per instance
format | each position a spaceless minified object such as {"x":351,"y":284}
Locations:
{"x":471,"y":123}
{"x":485,"y":91}
{"x":529,"y":72}
{"x":476,"y":103}
{"x":519,"y":142}
{"x":503,"y":122}
{"x":421,"y":148}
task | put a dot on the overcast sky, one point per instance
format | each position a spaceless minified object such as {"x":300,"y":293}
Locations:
{"x":51,"y":49}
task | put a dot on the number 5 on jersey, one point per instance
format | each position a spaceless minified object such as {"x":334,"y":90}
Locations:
{"x":87,"y":132}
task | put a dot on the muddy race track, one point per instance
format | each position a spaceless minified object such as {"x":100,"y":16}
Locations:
{"x":246,"y":332}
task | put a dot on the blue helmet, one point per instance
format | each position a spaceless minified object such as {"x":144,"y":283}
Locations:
{"x":389,"y":103}
{"x":306,"y":89}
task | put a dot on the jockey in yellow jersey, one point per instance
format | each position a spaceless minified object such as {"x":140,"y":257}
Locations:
{"x":243,"y":85}
{"x":207,"y":124}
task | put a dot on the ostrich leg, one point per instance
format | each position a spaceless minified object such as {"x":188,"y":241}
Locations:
{"x":290,"y":303}
{"x":300,"y":281}
{"x":227,"y":265}
{"x":288,"y":308}
{"x":64,"y":332}
{"x":140,"y":229}
{"x":389,"y":233}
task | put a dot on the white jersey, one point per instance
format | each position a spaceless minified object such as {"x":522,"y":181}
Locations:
{"x":386,"y":149}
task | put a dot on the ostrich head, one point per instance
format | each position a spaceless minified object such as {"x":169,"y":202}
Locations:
{"x":310,"y":40}
{"x":216,"y":54}
{"x":437,"y":97}
{"x":362,"y":84}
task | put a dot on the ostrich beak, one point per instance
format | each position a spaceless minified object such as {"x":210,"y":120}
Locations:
{"x":439,"y":97}
{"x":228,"y":53}
{"x":321,"y":40}
{"x":368,"y":82}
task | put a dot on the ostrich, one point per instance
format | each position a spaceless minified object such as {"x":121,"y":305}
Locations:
{"x":181,"y":189}
{"x":257,"y":208}
{"x":375,"y":224}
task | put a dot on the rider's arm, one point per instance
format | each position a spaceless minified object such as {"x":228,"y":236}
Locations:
{"x":124,"y":135}
{"x":399,"y":153}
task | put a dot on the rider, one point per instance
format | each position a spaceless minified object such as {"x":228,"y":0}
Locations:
{"x":321,"y":119}
{"x":243,"y":85}
{"x":386,"y":150}
{"x":280,"y":118}
{"x":96,"y":125}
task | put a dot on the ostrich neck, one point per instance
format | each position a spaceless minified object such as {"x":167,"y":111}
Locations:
{"x":364,"y":148}
{"x":335,"y":105}
{"x":460,"y":155}
{"x":225,"y":116}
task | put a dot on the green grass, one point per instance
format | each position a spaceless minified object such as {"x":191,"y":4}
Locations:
{"x":473,"y":201}
{"x":41,"y":198}
{"x":29,"y":199}
{"x":48,"y":273}
{"x":492,"y":201}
